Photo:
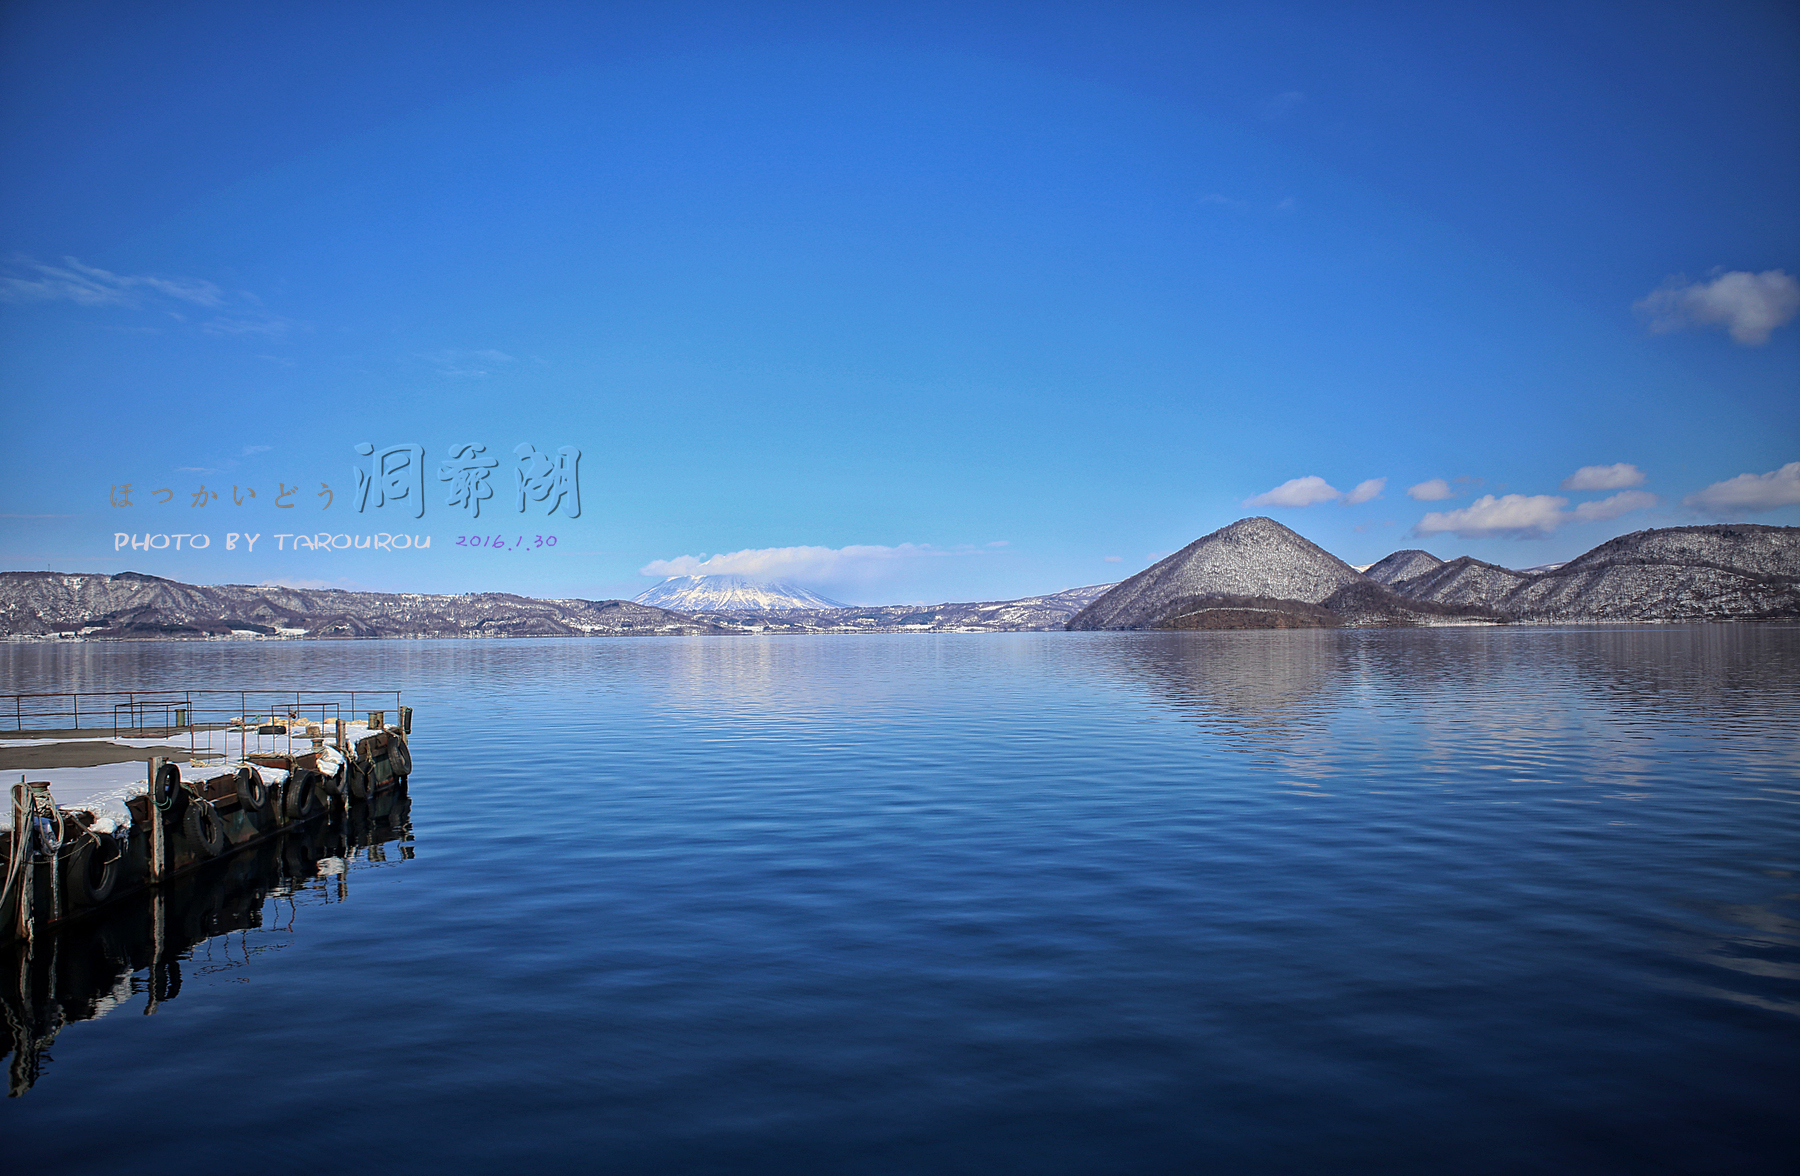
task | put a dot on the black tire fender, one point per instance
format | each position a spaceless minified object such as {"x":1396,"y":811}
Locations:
{"x":252,"y":793}
{"x":359,"y":781}
{"x":166,"y":791}
{"x":95,"y":868}
{"x":399,"y":756}
{"x":300,"y":799}
{"x":204,"y":827}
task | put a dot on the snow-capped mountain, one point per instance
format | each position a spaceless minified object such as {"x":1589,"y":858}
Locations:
{"x":730,"y":594}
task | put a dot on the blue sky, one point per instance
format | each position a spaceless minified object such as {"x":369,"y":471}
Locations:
{"x":905,"y":302}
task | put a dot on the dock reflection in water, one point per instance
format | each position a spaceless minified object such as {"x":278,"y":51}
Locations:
{"x":137,"y":946}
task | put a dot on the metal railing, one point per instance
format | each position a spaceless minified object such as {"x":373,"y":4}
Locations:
{"x":251,"y":715}
{"x":163,"y":714}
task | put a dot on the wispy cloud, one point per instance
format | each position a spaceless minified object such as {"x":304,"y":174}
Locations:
{"x":1282,"y":105}
{"x":1604,"y":477}
{"x":1527,"y":516}
{"x":1431,"y":490}
{"x":467,"y":364}
{"x":86,"y":285}
{"x":857,"y":562}
{"x":1220,"y":200}
{"x":1749,"y":493}
{"x":1749,"y":306}
{"x":302,"y":582}
{"x":270,"y":326}
{"x":241,"y":313}
{"x":1367,"y":491}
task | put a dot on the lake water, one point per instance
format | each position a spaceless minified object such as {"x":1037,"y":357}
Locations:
{"x":1465,"y":900}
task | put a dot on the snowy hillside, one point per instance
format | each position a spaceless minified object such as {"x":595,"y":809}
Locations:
{"x":1402,"y":565}
{"x":1676,"y":573}
{"x":1256,"y":557}
{"x":132,"y":605}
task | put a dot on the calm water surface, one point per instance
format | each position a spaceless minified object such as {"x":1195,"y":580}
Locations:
{"x":1410,"y":901}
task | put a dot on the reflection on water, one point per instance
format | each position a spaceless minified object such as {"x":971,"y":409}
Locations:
{"x":1256,"y":686}
{"x":1503,"y":694}
{"x":1508,"y":717}
{"x":1455,"y":900}
{"x":215,"y":922}
{"x":1263,"y":684}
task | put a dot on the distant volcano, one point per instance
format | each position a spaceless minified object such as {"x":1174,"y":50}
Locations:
{"x":730,"y":594}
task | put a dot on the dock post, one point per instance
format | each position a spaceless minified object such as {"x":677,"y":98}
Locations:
{"x":56,"y":903}
{"x":156,"y":824}
{"x":27,"y":876}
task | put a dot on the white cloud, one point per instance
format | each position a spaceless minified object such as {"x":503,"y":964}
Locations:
{"x":1748,"y":305}
{"x":87,"y":285}
{"x":1526,"y":516}
{"x":1432,"y":490}
{"x":1607,"y":477}
{"x":1512,"y":514}
{"x":1000,"y":543}
{"x":858,"y":562}
{"x":1112,"y":559}
{"x":1297,"y":492}
{"x":1749,"y":492}
{"x":1613,"y":507}
{"x":1365,"y":492}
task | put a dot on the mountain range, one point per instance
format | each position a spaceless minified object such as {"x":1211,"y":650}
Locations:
{"x":1735,"y":571}
{"x":1257,"y":573}
{"x":1254,"y":573}
{"x":1027,"y":614}
{"x":134,"y":605}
